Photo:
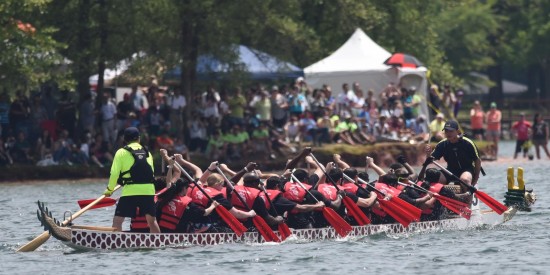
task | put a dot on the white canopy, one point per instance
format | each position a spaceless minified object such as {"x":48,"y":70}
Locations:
{"x":361,"y":60}
{"x":358,"y":54}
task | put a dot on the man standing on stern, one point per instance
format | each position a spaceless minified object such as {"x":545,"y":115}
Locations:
{"x":133,"y":169}
{"x":459,"y":152}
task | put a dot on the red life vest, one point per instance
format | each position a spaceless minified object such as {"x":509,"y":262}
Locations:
{"x":350,"y":187}
{"x":272,"y":194}
{"x":191,"y":189}
{"x":434,"y":188}
{"x":388,"y":190}
{"x":198,"y":197}
{"x":173,"y":211}
{"x":294,"y":192}
{"x":328,"y":190}
{"x":249,"y":195}
{"x":139,"y":223}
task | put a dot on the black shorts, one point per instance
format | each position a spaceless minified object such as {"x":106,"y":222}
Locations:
{"x":519,"y":146}
{"x":478,"y":131}
{"x":127,"y":206}
{"x":457,"y":173}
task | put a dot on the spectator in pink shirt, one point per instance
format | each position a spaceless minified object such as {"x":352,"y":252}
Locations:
{"x":477,"y":116}
{"x":493,"y":119}
{"x":521,"y":129}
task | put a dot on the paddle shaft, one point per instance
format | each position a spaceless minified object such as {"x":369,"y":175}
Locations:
{"x":245,"y":205}
{"x":42,"y":238}
{"x":303,"y":187}
{"x":470,"y":187}
{"x":193,"y":181}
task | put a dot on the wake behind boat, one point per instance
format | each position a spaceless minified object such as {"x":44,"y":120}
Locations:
{"x":104,"y":238}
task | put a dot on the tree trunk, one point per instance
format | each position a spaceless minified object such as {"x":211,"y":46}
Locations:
{"x":83,"y":62}
{"x":532,"y":73}
{"x":496,"y":93}
{"x":188,"y":49}
{"x":544,"y":80}
{"x":103,"y":34}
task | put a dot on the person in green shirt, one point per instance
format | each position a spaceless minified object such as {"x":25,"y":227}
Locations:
{"x":133,"y":168}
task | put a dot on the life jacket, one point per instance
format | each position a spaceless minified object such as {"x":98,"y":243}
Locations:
{"x":328,"y":190}
{"x":350,"y":187}
{"x":272,"y":195}
{"x":249,"y":195}
{"x":400,"y":187}
{"x":434,"y":188}
{"x":172,"y":212}
{"x":139,"y":223}
{"x":140,"y":172}
{"x":386,"y":189}
{"x":198,"y":197}
{"x":294,"y":192}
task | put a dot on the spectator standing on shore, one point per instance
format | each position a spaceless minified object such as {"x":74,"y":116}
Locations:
{"x":521,"y":129}
{"x":123,"y":112}
{"x":176,"y":104}
{"x":411,"y":107}
{"x":4,"y":114}
{"x":139,"y":101}
{"x":108,"y":113}
{"x":477,"y":116}
{"x":237,"y":105}
{"x":296,"y":102}
{"x":540,"y":135}
{"x":19,"y":113}
{"x":458,"y":102}
{"x":494,"y":117}
{"x":435,"y":128}
{"x":449,"y":100}
{"x":87,"y":114}
{"x":66,"y":113}
{"x":262,"y":107}
{"x":279,"y":107}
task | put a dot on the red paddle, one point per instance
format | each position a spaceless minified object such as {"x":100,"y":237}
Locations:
{"x":400,"y":210}
{"x":351,"y":206}
{"x":458,"y":207}
{"x":498,"y":207}
{"x":259,"y":222}
{"x":229,"y":219}
{"x":102,"y":203}
{"x":284,"y":231}
{"x":340,"y":225}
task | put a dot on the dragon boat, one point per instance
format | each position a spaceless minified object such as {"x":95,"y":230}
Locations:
{"x":106,"y":238}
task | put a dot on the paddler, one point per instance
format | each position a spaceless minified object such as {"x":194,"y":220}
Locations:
{"x":460,"y":153}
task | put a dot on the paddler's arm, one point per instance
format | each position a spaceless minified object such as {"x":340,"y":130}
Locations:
{"x":317,"y":171}
{"x":338,"y":160}
{"x":251,"y":166}
{"x":115,"y":172}
{"x":477,"y":169}
{"x":196,"y":171}
{"x":211,"y":169}
{"x":292,"y":163}
{"x":376,"y":168}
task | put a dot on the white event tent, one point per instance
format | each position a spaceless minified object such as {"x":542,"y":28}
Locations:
{"x":362,"y":60}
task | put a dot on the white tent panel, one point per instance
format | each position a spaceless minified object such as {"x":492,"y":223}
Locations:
{"x":359,"y":47}
{"x":362,"y":60}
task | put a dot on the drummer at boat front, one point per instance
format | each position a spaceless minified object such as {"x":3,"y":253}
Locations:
{"x":460,"y":153}
{"x":133,"y":168}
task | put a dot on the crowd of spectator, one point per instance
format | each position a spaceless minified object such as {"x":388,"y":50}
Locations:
{"x":261,"y":122}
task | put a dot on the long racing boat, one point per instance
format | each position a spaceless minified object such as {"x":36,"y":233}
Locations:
{"x":106,"y":238}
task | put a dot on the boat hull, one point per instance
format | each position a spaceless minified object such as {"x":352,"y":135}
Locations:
{"x":89,"y":239}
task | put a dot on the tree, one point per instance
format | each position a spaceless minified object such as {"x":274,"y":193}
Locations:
{"x":29,"y":55}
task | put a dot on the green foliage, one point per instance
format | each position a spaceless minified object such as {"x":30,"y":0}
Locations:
{"x":72,"y":37}
{"x":28,"y":54}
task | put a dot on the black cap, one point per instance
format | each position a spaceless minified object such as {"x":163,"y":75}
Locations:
{"x":450,"y":125}
{"x":131,"y":134}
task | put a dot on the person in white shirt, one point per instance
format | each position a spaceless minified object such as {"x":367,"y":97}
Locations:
{"x":108,"y":113}
{"x":176,"y":103}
